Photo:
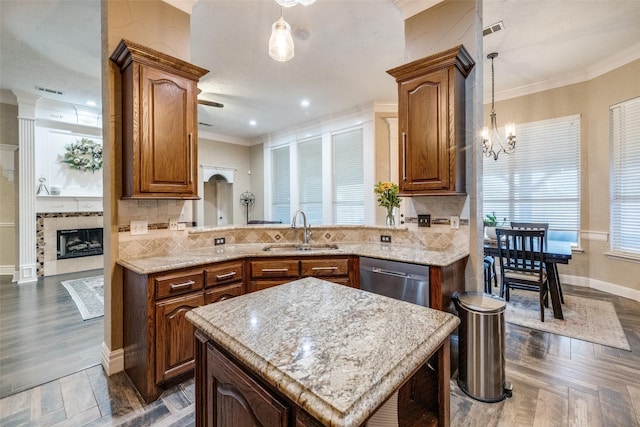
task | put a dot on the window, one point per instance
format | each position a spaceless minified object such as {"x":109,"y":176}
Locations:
{"x":280,"y":209}
{"x":348,"y":178}
{"x":310,"y":179}
{"x":540,"y":181}
{"x":624,"y":135}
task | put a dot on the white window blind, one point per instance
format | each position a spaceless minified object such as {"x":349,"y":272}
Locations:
{"x":624,"y":134}
{"x":540,"y":181}
{"x":348,"y":178}
{"x":280,"y":209}
{"x":310,"y":179}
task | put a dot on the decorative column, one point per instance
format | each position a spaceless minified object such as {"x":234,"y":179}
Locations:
{"x":27,"y":271}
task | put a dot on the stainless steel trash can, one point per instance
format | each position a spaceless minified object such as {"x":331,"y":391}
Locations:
{"x":481,"y":347}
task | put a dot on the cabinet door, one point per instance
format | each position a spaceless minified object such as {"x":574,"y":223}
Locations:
{"x":424,"y":143}
{"x":168,"y":150}
{"x":235,"y":399}
{"x":174,"y":336}
{"x":221,"y":293}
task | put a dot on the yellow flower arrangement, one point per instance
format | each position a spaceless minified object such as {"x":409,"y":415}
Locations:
{"x":387,"y":194}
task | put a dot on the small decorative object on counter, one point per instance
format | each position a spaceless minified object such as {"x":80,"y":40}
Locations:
{"x":83,"y":155}
{"x":388,"y":198}
{"x":55,"y":190}
{"x":42,"y":188}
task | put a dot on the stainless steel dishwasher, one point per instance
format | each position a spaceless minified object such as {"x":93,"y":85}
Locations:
{"x":399,"y":280}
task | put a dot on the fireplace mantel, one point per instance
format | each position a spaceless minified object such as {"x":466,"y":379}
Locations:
{"x":51,"y":204}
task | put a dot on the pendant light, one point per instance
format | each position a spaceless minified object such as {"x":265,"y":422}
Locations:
{"x":492,"y":144}
{"x":281,"y":42}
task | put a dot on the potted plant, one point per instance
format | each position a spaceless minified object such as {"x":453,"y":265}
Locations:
{"x":490,"y":224}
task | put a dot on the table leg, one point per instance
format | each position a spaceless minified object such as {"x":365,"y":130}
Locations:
{"x":553,"y":290}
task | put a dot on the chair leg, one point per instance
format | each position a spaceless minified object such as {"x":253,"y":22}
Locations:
{"x":543,"y":301}
{"x":495,"y":275}
{"x":487,"y":279}
{"x":557,"y":274}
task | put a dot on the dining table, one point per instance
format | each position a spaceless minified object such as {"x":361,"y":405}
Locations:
{"x":554,"y":252}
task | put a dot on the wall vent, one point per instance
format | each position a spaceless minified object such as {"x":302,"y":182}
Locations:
{"x":493,"y":28}
{"x":44,"y":89}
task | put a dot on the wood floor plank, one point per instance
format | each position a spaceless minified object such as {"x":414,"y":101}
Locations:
{"x":634,"y":394}
{"x":551,"y":409}
{"x":616,"y":406}
{"x":584,"y":410}
{"x":77,"y":394}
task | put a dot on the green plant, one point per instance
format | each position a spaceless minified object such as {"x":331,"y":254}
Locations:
{"x":387,"y":194}
{"x":490,"y":220}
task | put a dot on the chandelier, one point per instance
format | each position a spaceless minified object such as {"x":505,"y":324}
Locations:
{"x":492,"y":144}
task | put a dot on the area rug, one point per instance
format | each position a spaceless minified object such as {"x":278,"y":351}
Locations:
{"x":584,"y":318}
{"x":88,"y":294}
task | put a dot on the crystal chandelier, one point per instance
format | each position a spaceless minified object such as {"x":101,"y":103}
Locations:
{"x":492,"y":144}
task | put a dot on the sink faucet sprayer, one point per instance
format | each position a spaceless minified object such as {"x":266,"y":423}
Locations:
{"x":306,"y":233}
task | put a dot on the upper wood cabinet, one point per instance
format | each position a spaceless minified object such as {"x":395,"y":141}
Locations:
{"x":431,"y":123}
{"x":159,"y":123}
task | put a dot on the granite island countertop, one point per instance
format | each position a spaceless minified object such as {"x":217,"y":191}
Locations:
{"x":201,"y":256}
{"x":337,"y":352}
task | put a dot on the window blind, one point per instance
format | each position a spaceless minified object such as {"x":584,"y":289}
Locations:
{"x":540,"y":181}
{"x":348,"y":177}
{"x":280,"y":209}
{"x":310,"y":179}
{"x":624,"y":135}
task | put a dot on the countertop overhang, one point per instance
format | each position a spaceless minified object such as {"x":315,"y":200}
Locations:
{"x":335,"y":351}
{"x":202,"y":256}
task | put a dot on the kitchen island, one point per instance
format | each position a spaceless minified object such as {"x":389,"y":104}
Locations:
{"x":313,"y":353}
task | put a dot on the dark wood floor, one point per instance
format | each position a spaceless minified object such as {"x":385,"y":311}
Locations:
{"x":42,"y":334}
{"x":557,"y":381}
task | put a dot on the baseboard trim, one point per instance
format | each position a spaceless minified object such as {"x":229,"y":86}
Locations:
{"x":7,"y":270}
{"x":112,"y":361}
{"x":621,"y":291}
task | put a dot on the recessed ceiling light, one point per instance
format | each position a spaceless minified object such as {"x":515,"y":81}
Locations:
{"x":91,"y":103}
{"x":252,"y":123}
{"x":304,"y":102}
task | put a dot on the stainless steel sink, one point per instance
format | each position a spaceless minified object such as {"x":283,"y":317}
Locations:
{"x":288,"y":247}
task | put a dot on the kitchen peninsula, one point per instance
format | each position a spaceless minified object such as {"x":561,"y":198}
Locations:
{"x":313,"y":353}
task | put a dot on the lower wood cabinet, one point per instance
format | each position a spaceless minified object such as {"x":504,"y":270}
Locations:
{"x":158,"y":340}
{"x":174,"y":336}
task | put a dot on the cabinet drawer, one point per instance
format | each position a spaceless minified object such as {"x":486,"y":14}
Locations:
{"x":324,"y":267}
{"x":222,"y":293}
{"x":178,"y":283}
{"x":258,"y":285}
{"x":274,"y":268}
{"x":225,"y":273}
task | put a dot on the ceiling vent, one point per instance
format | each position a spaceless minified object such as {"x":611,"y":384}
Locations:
{"x":44,"y":89}
{"x":493,"y":28}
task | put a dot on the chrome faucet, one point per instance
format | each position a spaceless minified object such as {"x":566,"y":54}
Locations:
{"x":306,"y":233}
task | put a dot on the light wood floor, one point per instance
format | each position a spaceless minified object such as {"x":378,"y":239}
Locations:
{"x":557,"y":381}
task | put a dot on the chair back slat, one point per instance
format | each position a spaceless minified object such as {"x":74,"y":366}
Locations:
{"x":532,"y":226}
{"x":521,"y":250}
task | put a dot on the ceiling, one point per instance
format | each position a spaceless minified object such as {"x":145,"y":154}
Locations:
{"x":343,"y":49}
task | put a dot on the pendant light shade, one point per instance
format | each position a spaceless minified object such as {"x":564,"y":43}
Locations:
{"x":281,"y":42}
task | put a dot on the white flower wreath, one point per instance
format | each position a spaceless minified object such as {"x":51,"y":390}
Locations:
{"x":83,"y":155}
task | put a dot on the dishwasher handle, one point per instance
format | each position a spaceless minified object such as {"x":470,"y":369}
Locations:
{"x":389,"y":272}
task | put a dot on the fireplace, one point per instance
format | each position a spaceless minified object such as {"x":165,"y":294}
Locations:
{"x":78,"y":243}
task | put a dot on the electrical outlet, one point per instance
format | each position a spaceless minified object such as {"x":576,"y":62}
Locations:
{"x":455,"y":222}
{"x":424,"y":220}
{"x":182,"y":226}
{"x":173,"y":224}
{"x":139,"y":227}
{"x":385,"y":238}
{"x":219,"y":241}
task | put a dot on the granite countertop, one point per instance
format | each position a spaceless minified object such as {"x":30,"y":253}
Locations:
{"x":202,"y":256}
{"x":335,"y":351}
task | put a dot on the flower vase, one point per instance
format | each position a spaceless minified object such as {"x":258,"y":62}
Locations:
{"x":391,"y":217}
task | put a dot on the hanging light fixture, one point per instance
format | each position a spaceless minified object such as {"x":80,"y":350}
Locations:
{"x":281,"y":42}
{"x":492,"y":144}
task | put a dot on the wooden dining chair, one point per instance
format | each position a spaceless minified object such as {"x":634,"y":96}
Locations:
{"x":544,"y":226}
{"x":521,"y":266}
